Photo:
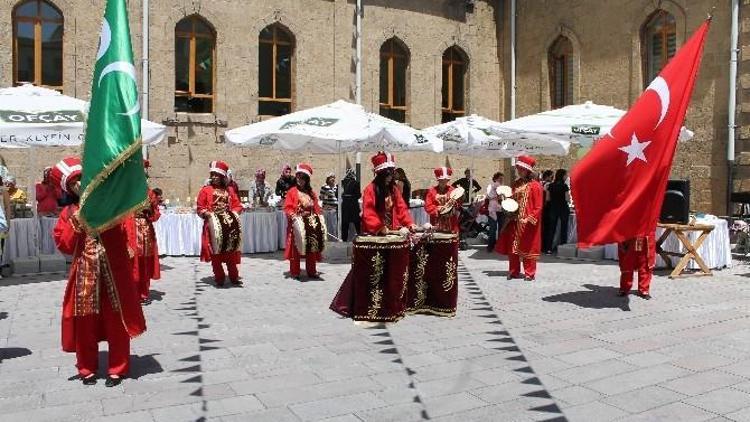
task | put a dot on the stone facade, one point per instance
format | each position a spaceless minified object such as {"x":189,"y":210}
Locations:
{"x":324,"y":69}
{"x":607,"y":68}
{"x":605,"y":36}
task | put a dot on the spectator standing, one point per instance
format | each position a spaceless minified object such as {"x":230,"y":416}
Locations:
{"x":464,"y":183}
{"x":495,"y":216}
{"x":46,"y":195}
{"x":329,"y":193}
{"x":350,"y":211}
{"x":559,"y":209}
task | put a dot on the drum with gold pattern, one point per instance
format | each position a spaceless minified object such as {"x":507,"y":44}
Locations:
{"x":309,"y":233}
{"x":375,"y":288}
{"x":225,"y":232}
{"x":433,"y":277}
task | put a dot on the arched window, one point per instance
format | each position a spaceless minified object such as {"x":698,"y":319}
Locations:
{"x":394,"y":64}
{"x":658,"y":43}
{"x":454,"y":84}
{"x":275,"y":56}
{"x":194,"y":64}
{"x":38,"y":44}
{"x":560,"y":62}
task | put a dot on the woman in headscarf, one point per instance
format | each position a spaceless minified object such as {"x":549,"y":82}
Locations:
{"x":286,"y":181}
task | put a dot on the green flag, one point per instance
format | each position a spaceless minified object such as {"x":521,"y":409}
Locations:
{"x":113,"y":183}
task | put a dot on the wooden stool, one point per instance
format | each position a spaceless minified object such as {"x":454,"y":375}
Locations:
{"x":691,"y":253}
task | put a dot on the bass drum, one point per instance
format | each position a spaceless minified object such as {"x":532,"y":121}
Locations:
{"x":309,"y":233}
{"x":225,"y":231}
{"x":375,"y":288}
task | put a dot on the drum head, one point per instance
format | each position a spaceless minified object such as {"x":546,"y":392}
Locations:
{"x":505,"y":191}
{"x":457,"y":193}
{"x":509,"y":205}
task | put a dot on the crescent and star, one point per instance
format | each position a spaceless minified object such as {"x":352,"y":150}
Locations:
{"x":105,"y":39}
{"x":636,"y":147}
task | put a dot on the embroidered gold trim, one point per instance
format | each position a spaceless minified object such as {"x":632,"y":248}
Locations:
{"x":376,"y":292}
{"x":100,"y":178}
{"x":450,"y":275}
{"x":420,"y":284}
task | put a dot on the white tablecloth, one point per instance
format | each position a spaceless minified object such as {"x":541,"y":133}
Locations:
{"x":180,"y":234}
{"x":419,"y":215}
{"x":23,"y":235}
{"x":21,"y":239}
{"x":332,"y":223}
{"x":46,"y":241}
{"x":715,"y":251}
{"x":259,"y":232}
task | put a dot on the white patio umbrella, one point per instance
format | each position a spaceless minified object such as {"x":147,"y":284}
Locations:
{"x":32,"y":116}
{"x":333,"y":128}
{"x":580,"y":124}
{"x":478,"y":135}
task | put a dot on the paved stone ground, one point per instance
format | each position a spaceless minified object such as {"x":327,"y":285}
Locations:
{"x":562,"y":348}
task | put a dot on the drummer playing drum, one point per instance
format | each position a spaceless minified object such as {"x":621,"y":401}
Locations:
{"x":212,"y":199}
{"x":301,"y":201}
{"x":375,"y":288}
{"x":521,"y":238}
{"x":441,"y":204}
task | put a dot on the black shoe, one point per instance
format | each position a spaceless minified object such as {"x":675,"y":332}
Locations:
{"x":529,"y":278}
{"x":237,"y":283}
{"x":644,"y":296}
{"x":622,"y":293}
{"x":145,"y":302}
{"x":315,"y":276}
{"x":89,"y":380}
{"x":113,"y":381}
{"x":511,"y":276}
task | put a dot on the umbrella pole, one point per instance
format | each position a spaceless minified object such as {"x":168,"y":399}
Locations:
{"x":339,"y":194}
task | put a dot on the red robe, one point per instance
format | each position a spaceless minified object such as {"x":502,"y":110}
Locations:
{"x":396,"y":213}
{"x":433,"y":201}
{"x":80,"y":299}
{"x":524,"y":238}
{"x":293,"y":206}
{"x":146,"y":249}
{"x":211,"y":199}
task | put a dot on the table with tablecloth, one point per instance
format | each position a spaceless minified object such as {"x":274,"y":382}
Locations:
{"x":419,"y":215}
{"x":180,"y":234}
{"x":23,"y":235}
{"x":716,"y":251}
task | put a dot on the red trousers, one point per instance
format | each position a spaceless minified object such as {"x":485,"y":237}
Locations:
{"x":145,"y":266}
{"x":514,"y":268}
{"x":219,"y":275}
{"x":108,"y":325}
{"x":310,"y":266}
{"x":637,"y":255}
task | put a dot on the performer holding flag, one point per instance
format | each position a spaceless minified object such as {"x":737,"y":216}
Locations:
{"x":101,"y":300}
{"x":637,"y":157}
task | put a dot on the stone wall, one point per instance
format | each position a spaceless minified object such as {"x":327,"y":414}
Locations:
{"x":324,"y":70}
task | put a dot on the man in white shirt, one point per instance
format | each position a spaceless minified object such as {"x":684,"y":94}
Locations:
{"x":493,"y":207}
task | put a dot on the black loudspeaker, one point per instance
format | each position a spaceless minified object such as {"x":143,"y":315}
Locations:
{"x":676,"y":206}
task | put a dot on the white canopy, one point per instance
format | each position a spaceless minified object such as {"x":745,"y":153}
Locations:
{"x":337,"y":127}
{"x":478,"y":135}
{"x":32,"y":116}
{"x":581,"y":124}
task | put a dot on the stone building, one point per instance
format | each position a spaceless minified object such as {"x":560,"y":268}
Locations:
{"x":219,"y":65}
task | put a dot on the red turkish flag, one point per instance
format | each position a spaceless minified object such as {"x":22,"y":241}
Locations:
{"x":618,"y":187}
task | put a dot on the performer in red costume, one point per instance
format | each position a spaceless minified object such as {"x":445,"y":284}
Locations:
{"x":101,"y":298}
{"x":638,"y":254}
{"x":522,"y":236}
{"x":218,"y":198}
{"x":146,"y":251}
{"x":375,"y":288}
{"x":443,"y":211}
{"x":300,"y":200}
{"x":383,"y":206}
